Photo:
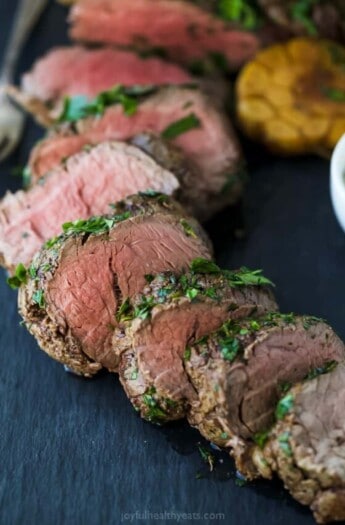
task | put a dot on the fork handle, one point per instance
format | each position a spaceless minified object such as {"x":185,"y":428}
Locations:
{"x":27,"y":14}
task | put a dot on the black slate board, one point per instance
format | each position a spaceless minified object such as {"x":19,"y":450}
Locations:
{"x":73,"y":451}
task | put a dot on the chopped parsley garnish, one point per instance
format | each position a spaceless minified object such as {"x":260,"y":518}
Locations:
{"x":180,"y":126}
{"x":94,"y":224}
{"x":334,"y":94}
{"x":134,"y":374}
{"x":192,"y":293}
{"x":260,"y":438}
{"x":246,"y":277}
{"x":301,"y":11}
{"x":229,"y":348}
{"x":124,"y":312}
{"x":310,"y":320}
{"x":143,"y":309}
{"x":189,"y":231}
{"x":200,"y":265}
{"x":318,"y":371}
{"x":38,"y":298}
{"x":154,"y":412}
{"x":284,"y":406}
{"x":243,"y":12}
{"x":284,"y":444}
{"x":79,"y":107}
{"x":284,"y":387}
{"x":187,"y":354}
{"x":20,"y":277}
{"x":24,"y":173}
{"x":241,"y":277}
{"x":207,"y":456}
{"x":149,"y":277}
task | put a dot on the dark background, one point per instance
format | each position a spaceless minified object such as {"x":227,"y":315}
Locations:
{"x":73,"y":451}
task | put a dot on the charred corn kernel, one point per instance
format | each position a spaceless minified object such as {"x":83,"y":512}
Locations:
{"x":307,"y":51}
{"x":336,"y":131}
{"x":286,"y":76}
{"x":291,"y":96}
{"x":254,"y":112}
{"x":272,"y":56}
{"x":289,"y":138}
{"x":255,"y":78}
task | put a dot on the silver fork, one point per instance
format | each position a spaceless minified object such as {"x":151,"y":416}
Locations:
{"x":11,"y":118}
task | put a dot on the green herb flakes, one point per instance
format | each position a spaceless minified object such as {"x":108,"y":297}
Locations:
{"x":284,"y":406}
{"x":187,"y":354}
{"x":143,"y":309}
{"x":19,"y":277}
{"x":284,"y":444}
{"x":38,"y":298}
{"x":328,"y":367}
{"x":189,"y":231}
{"x":124,"y":313}
{"x":79,"y":107}
{"x":229,"y":348}
{"x":207,"y":456}
{"x":200,"y":265}
{"x":301,"y":11}
{"x":260,"y":438}
{"x":154,"y":412}
{"x":94,"y":224}
{"x":242,"y":12}
{"x":181,"y":126}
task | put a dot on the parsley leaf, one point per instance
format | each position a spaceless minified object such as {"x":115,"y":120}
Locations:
{"x":94,"y":224}
{"x":241,"y":11}
{"x":19,"y":277}
{"x":284,"y":406}
{"x":181,"y":126}
{"x":79,"y":106}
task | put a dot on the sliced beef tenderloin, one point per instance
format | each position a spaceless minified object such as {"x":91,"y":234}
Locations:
{"x":170,"y":158}
{"x":172,"y":313}
{"x":76,"y":283}
{"x":200,"y":131}
{"x":185,"y":31}
{"x":69,"y":71}
{"x":306,"y":447}
{"x":84,"y":185}
{"x":240,"y":371}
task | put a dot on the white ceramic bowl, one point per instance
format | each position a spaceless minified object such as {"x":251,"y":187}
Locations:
{"x":337,"y":185}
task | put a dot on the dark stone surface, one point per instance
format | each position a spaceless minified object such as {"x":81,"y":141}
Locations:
{"x":72,"y":451}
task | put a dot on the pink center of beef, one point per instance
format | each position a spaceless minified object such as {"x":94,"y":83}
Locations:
{"x":97,"y":273}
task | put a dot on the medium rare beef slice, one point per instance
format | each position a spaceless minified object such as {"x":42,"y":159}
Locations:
{"x":76,"y":283}
{"x":185,"y":117}
{"x":240,"y":372}
{"x":185,"y":31}
{"x":70,"y":71}
{"x":84,"y":185}
{"x":306,"y":447}
{"x":172,"y":313}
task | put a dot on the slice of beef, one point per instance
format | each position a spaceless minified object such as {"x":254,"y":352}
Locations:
{"x":69,"y":71}
{"x":185,"y":31}
{"x":171,"y":159}
{"x":306,"y":447}
{"x":171,"y":314}
{"x":212,"y":148}
{"x":78,"y":280}
{"x":241,"y":370}
{"x":84,"y":185}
